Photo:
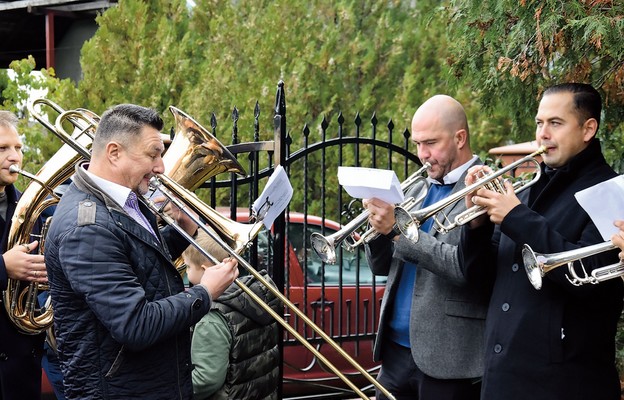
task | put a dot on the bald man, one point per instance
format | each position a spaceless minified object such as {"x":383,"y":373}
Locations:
{"x":430,"y":336}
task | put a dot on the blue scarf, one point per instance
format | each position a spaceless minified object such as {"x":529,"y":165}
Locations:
{"x":399,"y":322}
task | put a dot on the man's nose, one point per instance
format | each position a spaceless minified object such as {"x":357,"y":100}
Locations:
{"x":159,"y":167}
{"x":15,"y":155}
{"x":543,"y":132}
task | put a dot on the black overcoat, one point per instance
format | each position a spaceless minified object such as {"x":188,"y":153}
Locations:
{"x":557,"y":342}
{"x":20,"y":354}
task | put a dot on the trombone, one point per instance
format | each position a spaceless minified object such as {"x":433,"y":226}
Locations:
{"x":537,"y":265}
{"x":325,"y":246}
{"x":410,"y":222}
{"x":190,"y":205}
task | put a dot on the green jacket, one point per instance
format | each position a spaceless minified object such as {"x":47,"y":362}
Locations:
{"x":234,"y":348}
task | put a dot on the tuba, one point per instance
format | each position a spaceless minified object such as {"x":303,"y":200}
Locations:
{"x":193,"y":156}
{"x":20,"y":298}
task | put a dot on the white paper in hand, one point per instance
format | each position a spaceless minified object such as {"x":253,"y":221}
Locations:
{"x":274,"y":198}
{"x":604,"y":203}
{"x":366,"y":183}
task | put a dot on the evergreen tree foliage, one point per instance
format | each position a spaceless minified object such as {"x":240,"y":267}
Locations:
{"x":509,"y":51}
{"x":383,"y":57}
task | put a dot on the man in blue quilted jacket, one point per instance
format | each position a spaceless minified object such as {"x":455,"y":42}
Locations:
{"x":121,"y":313}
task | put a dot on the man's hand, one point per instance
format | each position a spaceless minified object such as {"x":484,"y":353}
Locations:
{"x":180,"y":217}
{"x":381,"y":215}
{"x":497,"y":205}
{"x":472,"y":176}
{"x":618,"y":238}
{"x":217,"y":278}
{"x":23,"y":266}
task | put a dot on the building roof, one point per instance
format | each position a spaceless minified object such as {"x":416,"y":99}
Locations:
{"x":23,"y":25}
{"x":517,"y":148}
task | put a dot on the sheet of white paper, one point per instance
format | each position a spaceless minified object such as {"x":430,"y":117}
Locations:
{"x":274,"y":198}
{"x":366,"y":183}
{"x":604,"y":203}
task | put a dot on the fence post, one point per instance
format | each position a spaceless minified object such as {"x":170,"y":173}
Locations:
{"x":279,"y":226}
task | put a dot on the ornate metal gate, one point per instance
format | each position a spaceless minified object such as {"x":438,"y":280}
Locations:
{"x":342,"y":299}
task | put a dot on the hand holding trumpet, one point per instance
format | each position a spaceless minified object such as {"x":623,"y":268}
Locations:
{"x":381,"y":215}
{"x":618,"y":238}
{"x":497,"y":204}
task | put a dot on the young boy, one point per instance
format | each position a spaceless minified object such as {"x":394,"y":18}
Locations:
{"x":234,"y":347}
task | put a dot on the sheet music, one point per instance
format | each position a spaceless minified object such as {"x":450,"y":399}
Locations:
{"x":366,"y":183}
{"x":604,"y":203}
{"x":274,"y":198}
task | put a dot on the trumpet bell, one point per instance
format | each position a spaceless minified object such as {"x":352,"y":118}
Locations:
{"x":324,"y":247}
{"x":195,"y":155}
{"x":533,"y":266}
{"x":405,"y":224}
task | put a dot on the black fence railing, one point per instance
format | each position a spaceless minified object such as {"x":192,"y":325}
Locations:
{"x":342,"y":299}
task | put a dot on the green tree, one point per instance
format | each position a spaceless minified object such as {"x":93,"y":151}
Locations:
{"x":507,"y":52}
{"x":377,"y":56}
{"x":39,"y":143}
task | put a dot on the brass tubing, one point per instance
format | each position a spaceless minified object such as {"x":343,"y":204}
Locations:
{"x":168,"y":187}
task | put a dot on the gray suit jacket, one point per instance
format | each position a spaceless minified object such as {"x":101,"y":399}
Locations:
{"x":448,"y":315}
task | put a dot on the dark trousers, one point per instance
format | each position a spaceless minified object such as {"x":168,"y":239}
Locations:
{"x":401,"y":377}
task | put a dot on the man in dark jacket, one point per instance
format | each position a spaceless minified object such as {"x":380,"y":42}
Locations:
{"x":557,"y":342}
{"x":121,"y":313}
{"x":20,"y":354}
{"x":430,"y":336}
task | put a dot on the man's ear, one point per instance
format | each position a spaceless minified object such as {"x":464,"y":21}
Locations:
{"x":113,"y":150}
{"x":589,"y":129}
{"x":461,"y":137}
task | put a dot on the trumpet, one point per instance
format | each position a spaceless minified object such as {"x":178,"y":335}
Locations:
{"x":537,"y":265}
{"x":325,"y":246}
{"x":409,"y":223}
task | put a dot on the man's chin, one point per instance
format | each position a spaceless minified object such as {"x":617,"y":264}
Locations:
{"x":9,"y":179}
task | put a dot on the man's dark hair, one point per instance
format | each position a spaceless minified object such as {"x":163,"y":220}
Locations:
{"x":587,"y":100}
{"x":124,"y":122}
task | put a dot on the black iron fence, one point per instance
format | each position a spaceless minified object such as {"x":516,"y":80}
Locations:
{"x":342,"y":299}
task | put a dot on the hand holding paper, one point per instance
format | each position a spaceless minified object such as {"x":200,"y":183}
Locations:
{"x":604,"y":203}
{"x":366,"y":183}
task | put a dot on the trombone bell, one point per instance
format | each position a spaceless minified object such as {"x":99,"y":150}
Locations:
{"x":195,"y":155}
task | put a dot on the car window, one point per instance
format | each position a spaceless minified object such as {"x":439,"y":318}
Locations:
{"x":353,"y":267}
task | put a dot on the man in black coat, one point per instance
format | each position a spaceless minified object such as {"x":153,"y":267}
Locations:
{"x":20,"y":354}
{"x":557,"y":342}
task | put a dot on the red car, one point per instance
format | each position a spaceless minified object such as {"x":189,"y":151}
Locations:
{"x":340,"y":298}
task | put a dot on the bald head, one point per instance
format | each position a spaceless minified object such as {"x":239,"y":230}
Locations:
{"x":446,"y":112}
{"x":440,"y":130}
